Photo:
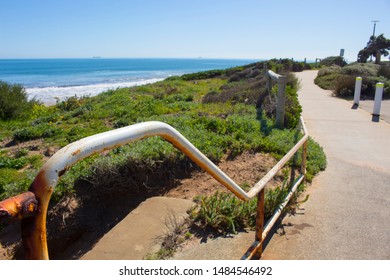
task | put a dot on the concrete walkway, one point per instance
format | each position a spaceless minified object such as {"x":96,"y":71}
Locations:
{"x":348,"y":213}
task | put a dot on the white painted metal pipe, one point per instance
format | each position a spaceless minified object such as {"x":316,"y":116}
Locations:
{"x":378,"y":99}
{"x":358,"y":88}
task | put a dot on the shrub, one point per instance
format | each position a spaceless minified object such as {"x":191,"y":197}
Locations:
{"x":286,"y":65}
{"x":244,"y":74}
{"x":326,"y":81}
{"x":21,"y":153}
{"x":360,"y":69}
{"x":344,"y":86}
{"x":334,"y":69}
{"x":298,"y":66}
{"x":71,"y":103}
{"x":292,"y":107}
{"x":316,"y":159}
{"x":35,"y":132}
{"x":386,"y":92}
{"x":179,"y":97}
{"x":333,"y":60}
{"x":39,"y":110}
{"x":199,"y":75}
{"x":384,"y":71}
{"x":26,"y":134}
{"x":342,"y":79}
{"x":13,"y":101}
{"x":48,"y":119}
{"x":14,"y":163}
{"x":79,"y":111}
{"x":247,"y":92}
{"x":13,"y":182}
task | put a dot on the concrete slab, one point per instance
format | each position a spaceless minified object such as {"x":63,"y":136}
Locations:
{"x":135,"y":236}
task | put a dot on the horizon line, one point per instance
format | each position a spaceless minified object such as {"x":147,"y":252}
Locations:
{"x":125,"y":57}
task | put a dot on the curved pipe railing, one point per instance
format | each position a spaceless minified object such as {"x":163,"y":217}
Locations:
{"x":32,"y":206}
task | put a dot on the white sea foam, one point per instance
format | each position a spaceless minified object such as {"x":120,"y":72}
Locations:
{"x":49,"y":95}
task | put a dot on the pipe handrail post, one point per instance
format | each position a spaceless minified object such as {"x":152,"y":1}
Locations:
{"x":281,"y":100}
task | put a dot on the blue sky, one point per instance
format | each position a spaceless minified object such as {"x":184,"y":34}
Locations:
{"x":186,"y":29}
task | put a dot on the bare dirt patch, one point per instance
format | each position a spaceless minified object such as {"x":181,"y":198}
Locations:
{"x":246,"y":170}
{"x":34,"y":147}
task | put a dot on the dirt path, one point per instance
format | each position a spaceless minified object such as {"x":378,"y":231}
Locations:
{"x":347,"y":215}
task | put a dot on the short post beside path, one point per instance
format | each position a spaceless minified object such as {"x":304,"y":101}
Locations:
{"x":280,"y":97}
{"x":358,"y":88}
{"x":378,"y":99}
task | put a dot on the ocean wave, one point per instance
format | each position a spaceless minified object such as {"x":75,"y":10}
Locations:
{"x":49,"y":95}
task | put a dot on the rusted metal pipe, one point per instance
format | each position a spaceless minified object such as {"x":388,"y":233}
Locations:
{"x":34,"y":228}
{"x":18,"y":207}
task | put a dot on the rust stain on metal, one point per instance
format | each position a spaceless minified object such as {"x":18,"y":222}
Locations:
{"x":19,"y":207}
{"x":34,"y":228}
{"x":31,"y":207}
{"x":75,"y":153}
{"x":37,"y":185}
{"x":252,"y":250}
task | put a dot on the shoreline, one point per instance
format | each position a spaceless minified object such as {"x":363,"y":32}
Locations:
{"x":48,"y":80}
{"x":49,"y":95}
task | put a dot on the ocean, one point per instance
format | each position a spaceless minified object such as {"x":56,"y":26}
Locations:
{"x":50,"y":79}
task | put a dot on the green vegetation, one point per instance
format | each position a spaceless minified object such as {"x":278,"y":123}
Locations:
{"x":223,"y":212}
{"x":377,"y":46}
{"x":13,"y":101}
{"x":222,"y":112}
{"x":339,"y":77}
{"x":333,"y":60}
{"x":226,"y":214}
{"x":341,"y":80}
{"x":287,"y":65}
